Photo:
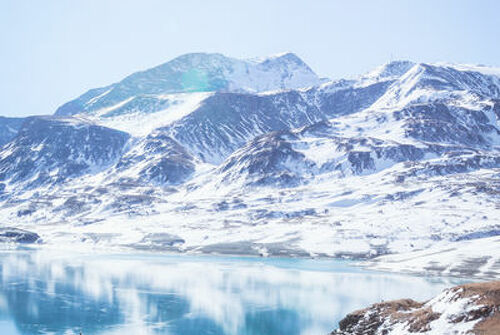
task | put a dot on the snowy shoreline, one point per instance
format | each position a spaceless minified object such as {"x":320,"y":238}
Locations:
{"x":473,"y":259}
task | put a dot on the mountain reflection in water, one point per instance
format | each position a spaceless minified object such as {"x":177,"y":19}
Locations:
{"x":62,"y":293}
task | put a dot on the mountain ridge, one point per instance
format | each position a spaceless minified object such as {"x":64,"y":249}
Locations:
{"x":398,"y":160}
{"x":199,"y":72}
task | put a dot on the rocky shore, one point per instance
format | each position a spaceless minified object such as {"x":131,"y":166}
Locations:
{"x":466,"y":309}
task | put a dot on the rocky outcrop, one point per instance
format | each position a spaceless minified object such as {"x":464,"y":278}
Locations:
{"x":466,"y":309}
{"x":157,"y":159}
{"x":18,"y":235}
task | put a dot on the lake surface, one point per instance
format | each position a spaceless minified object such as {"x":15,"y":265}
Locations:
{"x":44,"y":292}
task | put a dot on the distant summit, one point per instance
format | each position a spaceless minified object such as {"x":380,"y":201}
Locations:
{"x":199,"y":72}
{"x":392,"y":69}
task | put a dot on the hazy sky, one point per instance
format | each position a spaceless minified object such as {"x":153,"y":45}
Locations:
{"x":53,"y":50}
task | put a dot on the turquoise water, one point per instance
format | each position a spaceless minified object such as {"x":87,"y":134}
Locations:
{"x":43,"y":292}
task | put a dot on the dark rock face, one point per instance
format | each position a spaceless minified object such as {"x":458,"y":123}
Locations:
{"x":276,"y":158}
{"x":448,"y":78}
{"x":52,"y":149}
{"x":268,"y":160}
{"x":442,"y":124}
{"x":226,"y":121}
{"x":348,"y":100}
{"x":18,"y":235}
{"x":9,"y":127}
{"x":453,"y":162}
{"x":160,"y":160}
{"x":496,"y":108}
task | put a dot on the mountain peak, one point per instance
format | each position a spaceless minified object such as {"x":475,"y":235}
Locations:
{"x":284,"y":56}
{"x":390,"y":70}
{"x":199,"y":72}
{"x":287,"y":60}
{"x":198,"y":59}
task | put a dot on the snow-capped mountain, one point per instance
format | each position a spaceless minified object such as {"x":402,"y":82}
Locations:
{"x":211,"y":154}
{"x":199,"y":72}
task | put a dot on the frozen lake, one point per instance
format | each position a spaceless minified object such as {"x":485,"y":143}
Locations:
{"x":47,"y":292}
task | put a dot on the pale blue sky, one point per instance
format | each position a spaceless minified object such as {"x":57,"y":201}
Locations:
{"x":53,"y":50}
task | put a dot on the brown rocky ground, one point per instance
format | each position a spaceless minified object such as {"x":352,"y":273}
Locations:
{"x":466,"y":309}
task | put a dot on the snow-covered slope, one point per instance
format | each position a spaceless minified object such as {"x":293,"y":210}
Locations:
{"x":469,"y":256}
{"x":401,"y":159}
{"x":139,"y":116}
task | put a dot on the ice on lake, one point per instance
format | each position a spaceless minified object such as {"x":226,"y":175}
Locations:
{"x":47,"y":292}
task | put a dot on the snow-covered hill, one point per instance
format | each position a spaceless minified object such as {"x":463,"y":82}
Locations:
{"x":50,"y":150}
{"x":198,"y":155}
